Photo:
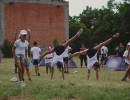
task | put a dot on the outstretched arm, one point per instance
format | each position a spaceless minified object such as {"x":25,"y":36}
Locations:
{"x":63,"y":73}
{"x":47,"y":52}
{"x":88,"y":74}
{"x":79,"y":53}
{"x":28,"y":35}
{"x":15,"y":36}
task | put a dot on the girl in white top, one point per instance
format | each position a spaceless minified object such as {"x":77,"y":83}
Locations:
{"x":48,"y":61}
{"x":126,"y":56}
{"x":19,"y":52}
{"x":58,"y":61}
{"x":58,"y":51}
{"x":65,"y":58}
{"x":92,"y":55}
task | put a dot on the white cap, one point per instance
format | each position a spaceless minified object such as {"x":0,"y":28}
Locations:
{"x":23,"y":32}
{"x":128,"y":44}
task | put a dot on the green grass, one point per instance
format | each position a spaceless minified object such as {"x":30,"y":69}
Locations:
{"x":74,"y":87}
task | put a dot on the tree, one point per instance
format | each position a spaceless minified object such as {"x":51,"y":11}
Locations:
{"x":83,"y":38}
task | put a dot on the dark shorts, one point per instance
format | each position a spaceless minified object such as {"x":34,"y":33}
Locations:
{"x":59,"y":49}
{"x":26,"y":64}
{"x":48,"y":64}
{"x":126,"y":64}
{"x":35,"y":62}
{"x":91,"y":52}
{"x":103,"y":57}
{"x":65,"y":60}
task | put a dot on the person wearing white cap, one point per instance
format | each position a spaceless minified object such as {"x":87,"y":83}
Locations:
{"x":19,"y":51}
{"x":126,"y":56}
{"x":26,"y":64}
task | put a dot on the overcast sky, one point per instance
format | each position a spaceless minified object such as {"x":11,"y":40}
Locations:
{"x":77,"y":6}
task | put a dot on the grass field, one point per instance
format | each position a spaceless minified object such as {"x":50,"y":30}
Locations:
{"x":74,"y":87}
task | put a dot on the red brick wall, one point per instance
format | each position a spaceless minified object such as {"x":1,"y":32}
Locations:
{"x":46,"y":22}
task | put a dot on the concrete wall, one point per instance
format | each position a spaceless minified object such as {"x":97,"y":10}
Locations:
{"x":47,"y":19}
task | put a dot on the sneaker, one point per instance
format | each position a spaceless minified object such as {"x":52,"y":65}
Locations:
{"x":128,"y":79}
{"x":79,"y":32}
{"x":67,"y":72}
{"x":15,"y":72}
{"x":123,"y":79}
{"x":38,"y":74}
{"x":115,"y":36}
{"x":29,"y":80}
{"x":22,"y":84}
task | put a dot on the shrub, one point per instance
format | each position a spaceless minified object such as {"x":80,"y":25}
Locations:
{"x":7,"y":49}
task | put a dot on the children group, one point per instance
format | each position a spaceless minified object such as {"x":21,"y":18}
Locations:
{"x":59,"y":53}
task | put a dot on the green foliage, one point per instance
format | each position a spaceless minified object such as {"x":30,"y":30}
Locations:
{"x":104,"y":23}
{"x":55,"y":42}
{"x":7,"y":49}
{"x":83,"y":38}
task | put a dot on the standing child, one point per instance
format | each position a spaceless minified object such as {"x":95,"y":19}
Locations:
{"x":19,"y":52}
{"x":48,"y":61}
{"x":126,"y":56}
{"x":36,"y":52}
{"x":65,"y":58}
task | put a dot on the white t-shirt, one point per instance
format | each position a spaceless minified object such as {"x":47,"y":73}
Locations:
{"x":36,"y":52}
{"x":105,"y":50}
{"x":48,"y":60}
{"x":126,"y":55}
{"x":57,"y":58}
{"x":91,"y":61}
{"x":20,"y":46}
{"x":65,"y":53}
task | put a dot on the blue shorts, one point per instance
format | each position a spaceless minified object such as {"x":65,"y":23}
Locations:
{"x":26,"y":65}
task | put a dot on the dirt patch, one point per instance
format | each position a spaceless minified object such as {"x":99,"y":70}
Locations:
{"x":19,"y":97}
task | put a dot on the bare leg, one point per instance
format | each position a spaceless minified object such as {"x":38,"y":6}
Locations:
{"x":64,"y":67}
{"x":46,"y":70}
{"x":23,"y":66}
{"x":67,"y":67}
{"x":73,"y":38}
{"x":127,"y":72}
{"x":28,"y":72}
{"x":63,"y":73}
{"x":36,"y":70}
{"x":98,"y":47}
{"x":52,"y":71}
{"x":88,"y":74}
{"x":15,"y":70}
{"x":19,"y":71}
{"x":48,"y":52}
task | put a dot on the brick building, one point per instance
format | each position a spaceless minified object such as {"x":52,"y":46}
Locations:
{"x":47,"y":20}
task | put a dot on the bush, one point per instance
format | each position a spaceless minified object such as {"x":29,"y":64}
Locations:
{"x":7,"y":49}
{"x":55,"y":42}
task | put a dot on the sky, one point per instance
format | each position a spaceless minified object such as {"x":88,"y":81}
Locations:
{"x":77,"y":6}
